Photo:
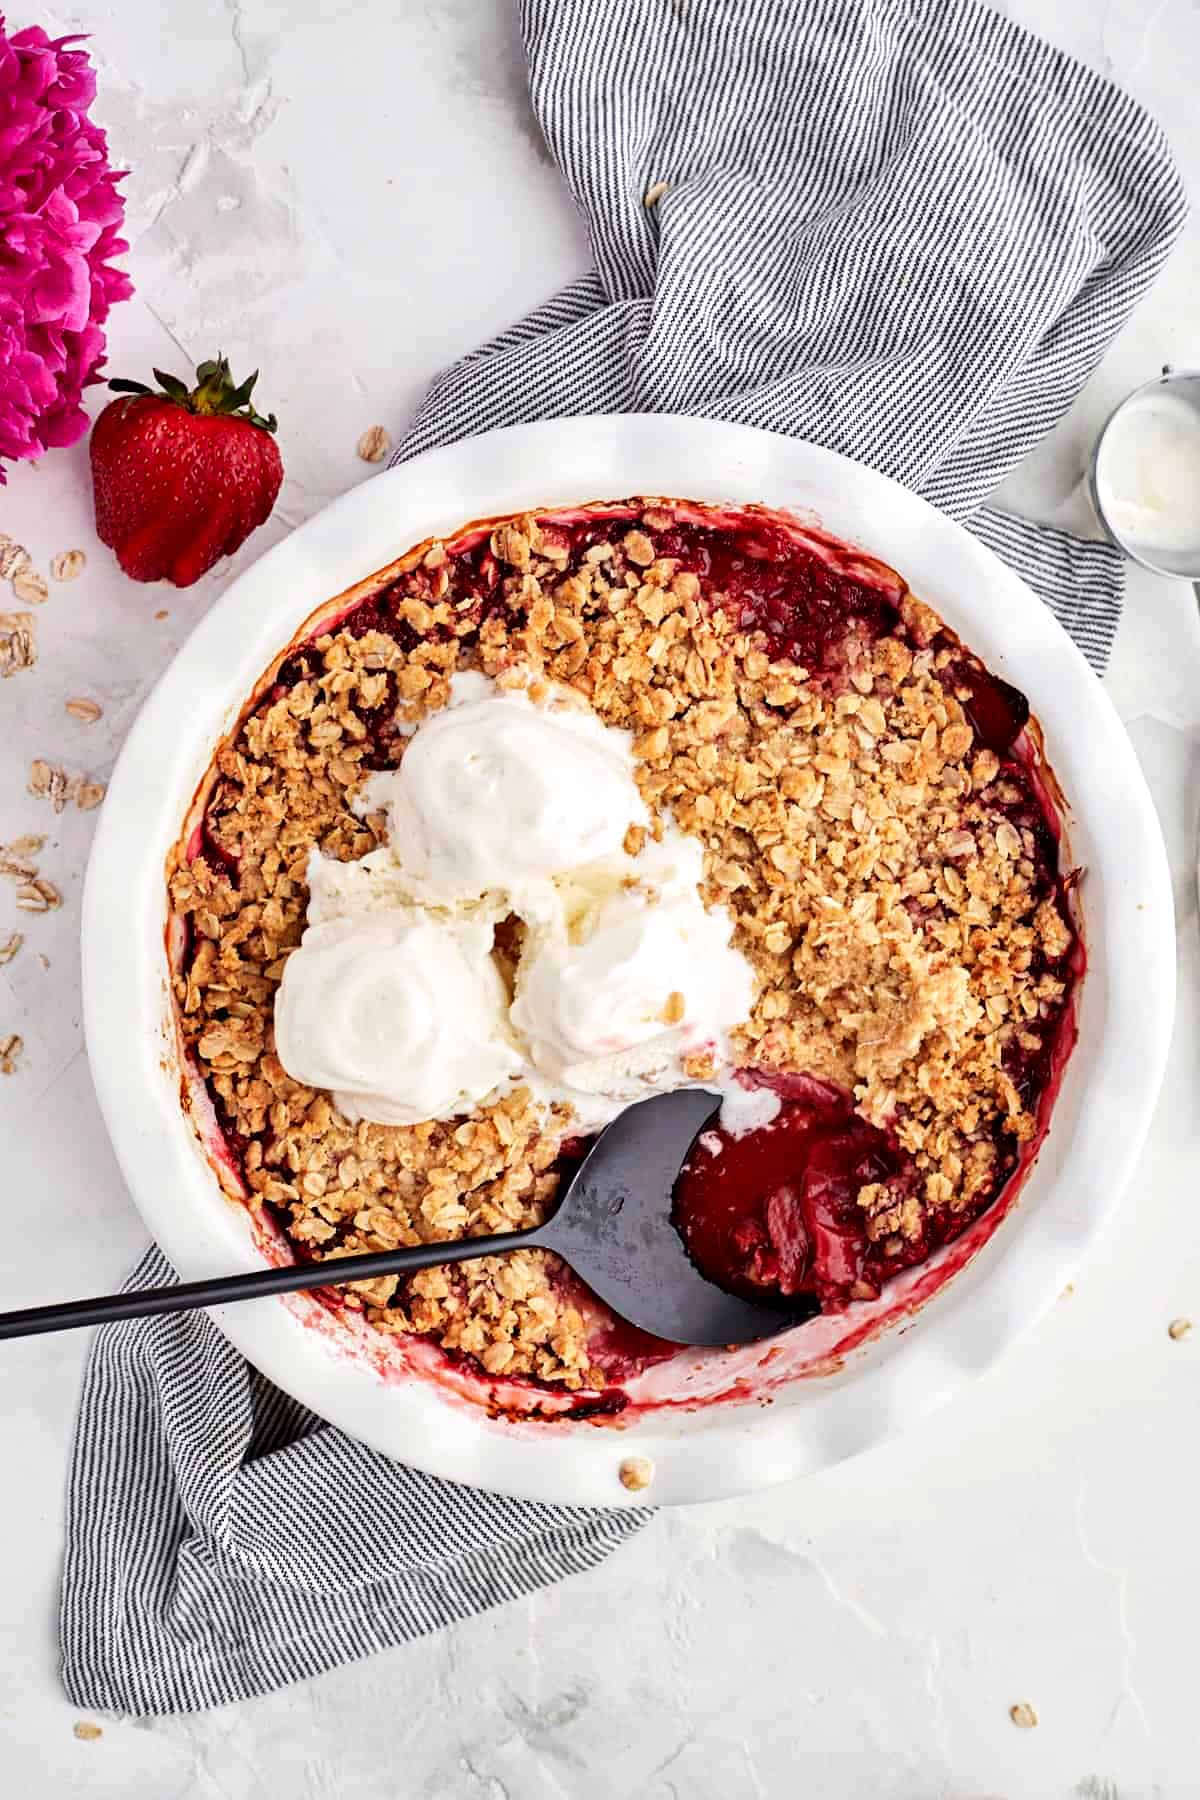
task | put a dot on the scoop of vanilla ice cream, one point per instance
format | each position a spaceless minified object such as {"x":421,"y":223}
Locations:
{"x":401,"y":1015}
{"x":633,"y":975}
{"x":496,"y":792}
{"x":394,"y":1000}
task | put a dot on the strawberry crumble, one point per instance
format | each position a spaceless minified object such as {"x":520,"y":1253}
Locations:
{"x":873,"y":814}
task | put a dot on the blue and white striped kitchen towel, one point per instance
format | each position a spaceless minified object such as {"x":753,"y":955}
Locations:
{"x":903,"y":228}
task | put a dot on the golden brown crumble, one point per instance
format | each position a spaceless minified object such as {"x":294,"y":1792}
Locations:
{"x":882,"y":881}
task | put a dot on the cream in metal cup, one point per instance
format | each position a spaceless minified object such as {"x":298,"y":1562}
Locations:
{"x":1145,"y":475}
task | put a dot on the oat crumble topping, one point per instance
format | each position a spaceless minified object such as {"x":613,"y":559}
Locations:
{"x":886,"y":869}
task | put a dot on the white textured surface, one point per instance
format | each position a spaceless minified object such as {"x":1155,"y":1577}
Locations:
{"x":301,"y":182}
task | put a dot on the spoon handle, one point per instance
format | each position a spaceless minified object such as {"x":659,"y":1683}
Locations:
{"x":141,"y":1303}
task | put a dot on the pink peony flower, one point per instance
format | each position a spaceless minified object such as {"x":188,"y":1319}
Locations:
{"x":60,"y":220}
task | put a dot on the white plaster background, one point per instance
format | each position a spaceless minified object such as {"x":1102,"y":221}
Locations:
{"x":350,"y":195}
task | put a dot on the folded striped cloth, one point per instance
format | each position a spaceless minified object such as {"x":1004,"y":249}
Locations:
{"x":904,"y":229}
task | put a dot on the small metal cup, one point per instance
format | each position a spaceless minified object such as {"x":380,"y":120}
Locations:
{"x":1185,"y":384}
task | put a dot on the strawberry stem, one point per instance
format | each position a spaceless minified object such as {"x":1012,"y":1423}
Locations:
{"x":215,"y":394}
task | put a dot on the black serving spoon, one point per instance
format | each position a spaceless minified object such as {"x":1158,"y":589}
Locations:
{"x":613,"y":1226}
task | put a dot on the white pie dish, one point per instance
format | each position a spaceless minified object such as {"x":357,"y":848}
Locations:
{"x":1103,"y":1110}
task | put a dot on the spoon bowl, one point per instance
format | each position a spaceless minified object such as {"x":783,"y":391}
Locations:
{"x":614,"y":1228}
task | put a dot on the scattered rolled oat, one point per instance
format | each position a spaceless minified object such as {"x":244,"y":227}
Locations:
{"x":636,"y":1473}
{"x":67,"y":565}
{"x":9,"y":946}
{"x":1023,"y":1715}
{"x":49,"y":782}
{"x":89,"y":794}
{"x":18,"y":642}
{"x":10,"y":1048}
{"x":13,"y":557}
{"x":654,"y":194}
{"x":674,"y":1009}
{"x":31,"y":587}
{"x":374,"y":444}
{"x":16,"y":864}
{"x":38,"y":896}
{"x":162,"y":613}
{"x":87,"y":710}
{"x":86,"y":1731}
{"x":1179,"y":1328}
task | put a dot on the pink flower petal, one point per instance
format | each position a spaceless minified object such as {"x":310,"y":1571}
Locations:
{"x":60,"y":218}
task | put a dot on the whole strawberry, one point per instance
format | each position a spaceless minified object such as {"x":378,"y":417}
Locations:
{"x":182,"y":477}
